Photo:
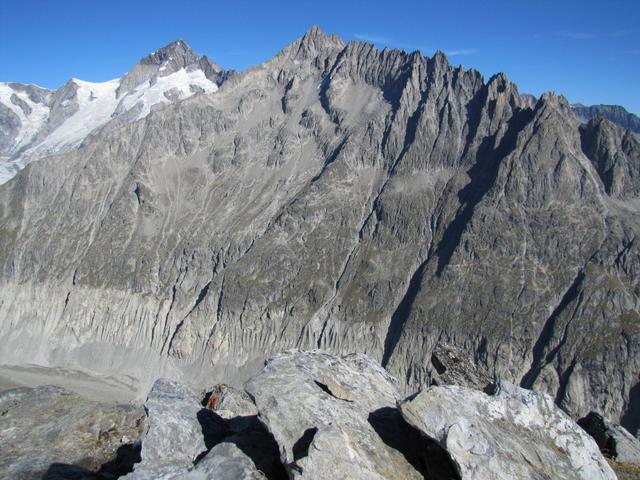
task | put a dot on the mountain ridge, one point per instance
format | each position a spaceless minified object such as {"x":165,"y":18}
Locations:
{"x":343,"y":198}
{"x":614,"y":113}
{"x":54,"y":121}
{"x":185,"y":57}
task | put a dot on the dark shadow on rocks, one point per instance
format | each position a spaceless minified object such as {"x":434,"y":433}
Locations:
{"x":249,"y":434}
{"x":594,"y":425}
{"x":482,"y":177}
{"x":126,"y":456}
{"x":631,"y":417}
{"x":63,"y":471}
{"x":426,"y":456}
{"x":301,"y":447}
{"x":214,"y":428}
{"x":437,"y":364}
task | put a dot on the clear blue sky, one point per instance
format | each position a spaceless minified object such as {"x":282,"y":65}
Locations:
{"x":588,"y":50}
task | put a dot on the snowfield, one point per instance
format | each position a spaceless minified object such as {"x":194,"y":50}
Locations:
{"x":97,"y":104}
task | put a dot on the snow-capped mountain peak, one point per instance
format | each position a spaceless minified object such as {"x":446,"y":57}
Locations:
{"x":38,"y":122}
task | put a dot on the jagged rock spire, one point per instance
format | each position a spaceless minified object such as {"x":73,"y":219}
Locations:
{"x":167,"y":60}
{"x":313,"y":42}
{"x":178,"y":51}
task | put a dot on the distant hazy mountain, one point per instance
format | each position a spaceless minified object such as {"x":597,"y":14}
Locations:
{"x":613,"y":113}
{"x":335,"y":197}
{"x":36,"y":121}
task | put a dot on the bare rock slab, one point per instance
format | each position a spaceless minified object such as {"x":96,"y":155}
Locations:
{"x":226,"y":461}
{"x":174,"y":437}
{"x":317,"y":407}
{"x":232,"y":405}
{"x":512,"y":433}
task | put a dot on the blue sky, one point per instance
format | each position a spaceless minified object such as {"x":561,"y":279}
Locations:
{"x":587,"y":50}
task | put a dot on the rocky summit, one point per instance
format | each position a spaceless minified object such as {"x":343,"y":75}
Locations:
{"x":335,"y":197}
{"x":310,"y":415}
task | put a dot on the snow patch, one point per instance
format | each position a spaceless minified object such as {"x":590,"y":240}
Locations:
{"x":96,"y":104}
{"x":180,"y":81}
{"x":30,"y":124}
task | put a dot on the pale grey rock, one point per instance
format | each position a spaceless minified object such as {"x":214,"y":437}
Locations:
{"x":172,"y":95}
{"x":317,"y":408}
{"x":48,"y":432}
{"x":172,"y":470}
{"x":226,"y":461}
{"x":187,"y":441}
{"x":613,"y":440}
{"x":512,"y":433}
{"x":335,"y":197}
{"x":173,"y":439}
{"x":627,"y":446}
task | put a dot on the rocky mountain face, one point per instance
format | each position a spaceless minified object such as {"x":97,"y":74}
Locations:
{"x":343,"y":198}
{"x":615,"y":156}
{"x":36,"y":122}
{"x":614,"y":113}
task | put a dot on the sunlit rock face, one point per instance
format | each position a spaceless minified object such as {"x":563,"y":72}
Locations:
{"x":343,"y":198}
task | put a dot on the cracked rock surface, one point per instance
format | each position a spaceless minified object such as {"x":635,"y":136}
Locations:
{"x":317,"y":407}
{"x":173,"y":438}
{"x":226,"y":461}
{"x":512,"y":433}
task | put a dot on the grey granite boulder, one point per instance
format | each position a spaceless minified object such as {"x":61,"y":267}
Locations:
{"x":614,"y":441}
{"x":174,"y":437}
{"x":512,"y":434}
{"x":226,"y":461}
{"x":317,"y":408}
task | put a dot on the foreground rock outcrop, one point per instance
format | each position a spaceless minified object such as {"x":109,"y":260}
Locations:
{"x":51,"y":433}
{"x":343,"y":198}
{"x":319,"y":407}
{"x":190,"y":438}
{"x":311,"y":415}
{"x":173,"y":439}
{"x":512,"y":433}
